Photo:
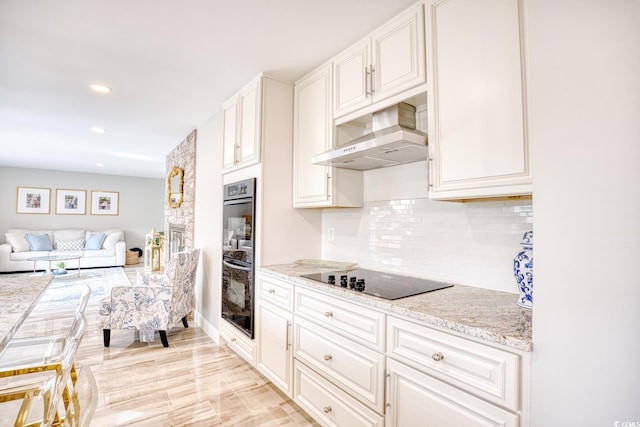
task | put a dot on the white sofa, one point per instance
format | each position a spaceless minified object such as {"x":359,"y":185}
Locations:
{"x":16,"y":251}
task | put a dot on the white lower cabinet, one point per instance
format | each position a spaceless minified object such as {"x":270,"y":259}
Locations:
{"x":329,"y":405}
{"x":274,"y":345}
{"x":274,"y":324}
{"x":237,"y":341}
{"x":489,"y":372}
{"x":356,"y":368}
{"x":358,"y":323}
{"x":439,"y":379}
{"x":417,"y":399}
{"x":348,"y":364}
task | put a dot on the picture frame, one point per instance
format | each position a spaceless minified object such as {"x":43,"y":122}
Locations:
{"x":33,"y":200}
{"x":105,"y":203}
{"x":71,"y":202}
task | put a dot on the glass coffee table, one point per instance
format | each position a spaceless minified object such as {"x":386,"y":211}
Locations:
{"x":54,"y":258}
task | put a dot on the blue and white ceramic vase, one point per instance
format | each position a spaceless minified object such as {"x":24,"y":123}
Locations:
{"x":523,"y":270}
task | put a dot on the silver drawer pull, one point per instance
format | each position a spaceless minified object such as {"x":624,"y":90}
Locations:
{"x":233,"y":340}
{"x":437,"y":357}
{"x":328,"y":357}
{"x":327,"y":409}
{"x":271,"y":291}
{"x":329,"y":314}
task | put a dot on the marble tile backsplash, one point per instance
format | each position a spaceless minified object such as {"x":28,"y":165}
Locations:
{"x":469,"y":243}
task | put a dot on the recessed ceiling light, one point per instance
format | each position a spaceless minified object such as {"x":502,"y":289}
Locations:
{"x":99,"y":165}
{"x":97,"y":129}
{"x":100,"y":88}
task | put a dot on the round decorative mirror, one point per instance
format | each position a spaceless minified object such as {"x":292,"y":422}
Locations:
{"x":174,"y":187}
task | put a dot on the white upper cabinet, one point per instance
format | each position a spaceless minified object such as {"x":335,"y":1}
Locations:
{"x":352,"y":69}
{"x":388,"y":62}
{"x":229,"y":132}
{"x":476,"y":99}
{"x":312,"y":134}
{"x":315,"y":185}
{"x":242,"y":127}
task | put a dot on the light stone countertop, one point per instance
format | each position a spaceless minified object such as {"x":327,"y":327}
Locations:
{"x":482,"y":313}
{"x":18,"y":295}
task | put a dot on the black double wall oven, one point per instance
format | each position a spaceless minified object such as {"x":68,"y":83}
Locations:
{"x":237,"y":255}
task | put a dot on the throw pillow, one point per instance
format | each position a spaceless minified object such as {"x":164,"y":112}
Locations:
{"x":111,"y":240}
{"x":94,"y":241}
{"x":70,"y":245}
{"x":39,"y":242}
{"x":17,"y":241}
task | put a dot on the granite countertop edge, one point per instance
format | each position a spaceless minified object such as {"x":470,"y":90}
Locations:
{"x":506,"y":325}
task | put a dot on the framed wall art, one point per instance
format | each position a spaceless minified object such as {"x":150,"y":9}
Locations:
{"x":104,"y":202}
{"x":33,"y":200}
{"x":71,"y":202}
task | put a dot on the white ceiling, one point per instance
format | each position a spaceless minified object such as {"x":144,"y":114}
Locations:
{"x":170,"y":64}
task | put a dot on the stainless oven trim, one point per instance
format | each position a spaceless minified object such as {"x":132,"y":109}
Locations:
{"x":236,"y":266}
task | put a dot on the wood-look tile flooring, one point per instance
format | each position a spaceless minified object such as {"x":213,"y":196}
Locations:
{"x":193,"y":382}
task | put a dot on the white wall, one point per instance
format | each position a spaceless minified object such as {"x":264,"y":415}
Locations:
{"x":585,"y":128}
{"x":208,"y":224}
{"x":400,"y":230}
{"x":141,"y":202}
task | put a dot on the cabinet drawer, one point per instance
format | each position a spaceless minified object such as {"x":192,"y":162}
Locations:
{"x":238,"y":342}
{"x":275,"y":291}
{"x":356,"y":368}
{"x":329,"y":405}
{"x":417,"y":399}
{"x":485,"y":371}
{"x":347,"y":319}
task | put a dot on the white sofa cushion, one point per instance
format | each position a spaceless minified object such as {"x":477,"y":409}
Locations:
{"x":68,"y":235}
{"x":58,"y":252}
{"x":24,"y":256}
{"x":99,"y":253}
{"x":17,"y":241}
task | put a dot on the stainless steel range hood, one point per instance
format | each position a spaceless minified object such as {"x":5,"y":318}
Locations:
{"x":393,"y":140}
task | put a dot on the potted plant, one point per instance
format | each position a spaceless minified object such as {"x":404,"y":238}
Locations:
{"x":61,"y":268}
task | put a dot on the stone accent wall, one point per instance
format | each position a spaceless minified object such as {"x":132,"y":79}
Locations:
{"x":183,"y":156}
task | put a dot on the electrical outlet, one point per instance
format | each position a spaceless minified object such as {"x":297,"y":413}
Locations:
{"x":330,"y":234}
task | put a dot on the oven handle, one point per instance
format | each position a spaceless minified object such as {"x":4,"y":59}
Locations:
{"x":235,"y":266}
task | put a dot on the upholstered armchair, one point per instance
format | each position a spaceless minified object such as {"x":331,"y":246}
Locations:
{"x":157,"y":305}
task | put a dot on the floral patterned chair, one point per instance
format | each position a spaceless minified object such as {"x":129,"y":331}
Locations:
{"x":156,"y":306}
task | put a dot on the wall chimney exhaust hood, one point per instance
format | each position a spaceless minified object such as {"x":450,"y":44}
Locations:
{"x":393,"y":140}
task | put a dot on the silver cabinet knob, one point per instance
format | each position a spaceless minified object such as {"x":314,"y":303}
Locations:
{"x":328,"y":357}
{"x":328,"y":314}
{"x":327,"y":409}
{"x":271,"y":291}
{"x":437,"y":357}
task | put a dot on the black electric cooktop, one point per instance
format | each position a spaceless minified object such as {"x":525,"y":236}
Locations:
{"x":379,"y":284}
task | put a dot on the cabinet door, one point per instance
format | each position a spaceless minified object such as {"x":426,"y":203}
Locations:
{"x":418,"y":399}
{"x":273,"y":334}
{"x":229,"y":133}
{"x":312,"y":135}
{"x":352,"y":81}
{"x":398,"y":54}
{"x":250,"y":123}
{"x":477,"y":129}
